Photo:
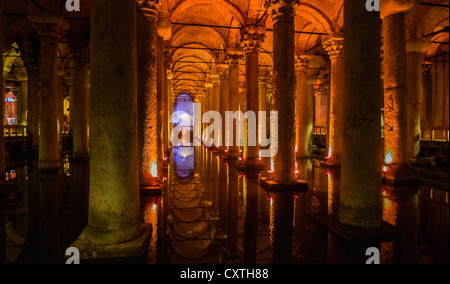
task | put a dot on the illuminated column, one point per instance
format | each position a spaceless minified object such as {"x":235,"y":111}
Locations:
{"x":360,"y":199}
{"x":284,"y":184}
{"x":214,"y":100}
{"x":79,"y":104}
{"x":114,"y":214}
{"x":414,"y":89}
{"x":223,"y":168}
{"x":23,"y":108}
{"x":233,"y":69}
{"x":253,"y":37}
{"x":232,"y":251}
{"x":395,"y":96}
{"x":224,"y":102}
{"x":147,"y":94}
{"x":301,"y":107}
{"x":59,"y":105}
{"x":50,"y":29}
{"x":30,"y":56}
{"x":310,"y":94}
{"x":334,"y":45}
{"x":160,"y":104}
{"x":264,"y":105}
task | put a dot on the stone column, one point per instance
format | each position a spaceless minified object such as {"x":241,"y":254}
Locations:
{"x":232,"y":251}
{"x":23,"y":110}
{"x":50,"y":29}
{"x":160,"y":103}
{"x":30,"y":57}
{"x":360,"y":199}
{"x":395,"y":97}
{"x":114,"y":214}
{"x":166,"y":112}
{"x":224,"y":102}
{"x":414,"y":90}
{"x":79,"y":105}
{"x":284,"y":183}
{"x":253,"y":37}
{"x":334,"y":45}
{"x":223,"y":168}
{"x":34,"y":98}
{"x":302,"y":139}
{"x":147,"y":93}
{"x":311,"y":107}
{"x":264,"y":105}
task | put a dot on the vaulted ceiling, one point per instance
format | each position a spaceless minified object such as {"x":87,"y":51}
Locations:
{"x":204,"y":30}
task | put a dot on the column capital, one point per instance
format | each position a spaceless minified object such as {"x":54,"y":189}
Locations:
{"x":223,"y":71}
{"x":334,"y":44}
{"x":232,"y":60}
{"x":50,"y":28}
{"x":149,"y":8}
{"x":301,"y":63}
{"x":214,"y":79}
{"x":252,"y":38}
{"x":417,"y":45}
{"x":426,"y":66}
{"x":390,"y":7}
{"x":70,"y":80}
{"x":282,"y":10}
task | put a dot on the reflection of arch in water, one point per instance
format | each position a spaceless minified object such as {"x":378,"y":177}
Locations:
{"x":183,"y":162}
{"x":192,"y":234}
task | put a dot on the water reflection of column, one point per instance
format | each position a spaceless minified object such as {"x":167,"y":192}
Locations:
{"x":233,"y":201}
{"x":301,"y":207}
{"x":400,"y":208}
{"x":334,"y":185}
{"x":50,"y":202}
{"x":215,"y":183}
{"x":79,"y":195}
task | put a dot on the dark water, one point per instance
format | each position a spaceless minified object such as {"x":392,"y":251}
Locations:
{"x":194,"y":223}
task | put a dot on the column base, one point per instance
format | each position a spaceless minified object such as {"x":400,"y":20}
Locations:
{"x":402,"y":174}
{"x":330,"y":165}
{"x":299,"y":156}
{"x":132,"y":251}
{"x":49,"y":166}
{"x":154,"y":190}
{"x":79,"y":159}
{"x":384,"y":233}
{"x":281,"y":187}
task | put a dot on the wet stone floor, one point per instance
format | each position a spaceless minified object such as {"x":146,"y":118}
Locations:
{"x":193,"y":225}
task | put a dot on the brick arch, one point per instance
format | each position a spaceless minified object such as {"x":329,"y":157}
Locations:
{"x":231,"y":7}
